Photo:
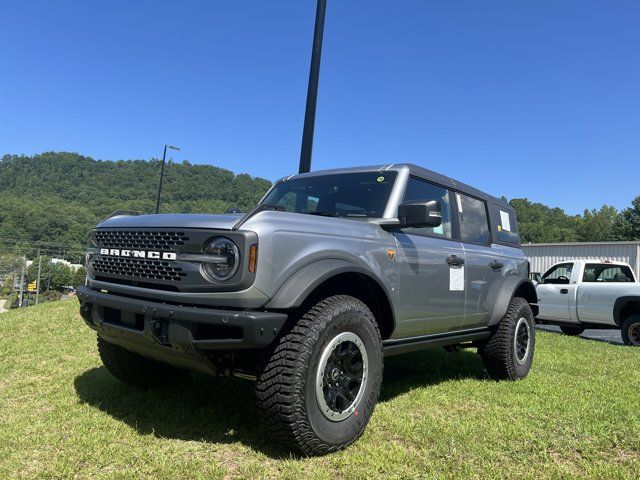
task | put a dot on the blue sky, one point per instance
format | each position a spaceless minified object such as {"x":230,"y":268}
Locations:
{"x":537,"y":99}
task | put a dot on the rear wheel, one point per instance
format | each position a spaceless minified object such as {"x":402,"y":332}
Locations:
{"x":508,"y":353}
{"x":631,"y":331}
{"x":134,"y":369}
{"x":573,"y":331}
{"x":322,"y":381}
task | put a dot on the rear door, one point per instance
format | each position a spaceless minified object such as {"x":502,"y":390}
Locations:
{"x":431,"y":269}
{"x":483,"y":266}
{"x":556,"y":292}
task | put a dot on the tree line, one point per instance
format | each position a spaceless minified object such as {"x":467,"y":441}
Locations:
{"x":57,"y":197}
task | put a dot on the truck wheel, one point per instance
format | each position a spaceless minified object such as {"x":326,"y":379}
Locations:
{"x":321,"y":383}
{"x":631,"y":331}
{"x":508,"y":353}
{"x":134,"y":369}
{"x":573,"y":331}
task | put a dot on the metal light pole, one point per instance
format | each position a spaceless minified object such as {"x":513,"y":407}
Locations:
{"x":38,"y":281}
{"x":312,"y":90}
{"x":164,"y":157}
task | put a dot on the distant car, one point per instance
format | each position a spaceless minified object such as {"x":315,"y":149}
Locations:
{"x":581,"y":294}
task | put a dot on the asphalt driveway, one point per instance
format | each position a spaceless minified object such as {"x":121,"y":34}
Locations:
{"x":609,"y":336}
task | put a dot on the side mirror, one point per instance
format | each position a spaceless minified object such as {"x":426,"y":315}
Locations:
{"x":536,"y":278}
{"x":420,"y":214}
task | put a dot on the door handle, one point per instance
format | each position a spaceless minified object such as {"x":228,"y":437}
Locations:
{"x":455,"y":260}
{"x":564,"y":291}
{"x":496,"y":265}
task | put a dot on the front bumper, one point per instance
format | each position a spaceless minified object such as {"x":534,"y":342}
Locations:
{"x":180,"y":335}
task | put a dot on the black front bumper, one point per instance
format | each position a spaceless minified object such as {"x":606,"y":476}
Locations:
{"x":180,"y":335}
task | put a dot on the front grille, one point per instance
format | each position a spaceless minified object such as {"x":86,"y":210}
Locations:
{"x":140,"y":239}
{"x":138,"y":268}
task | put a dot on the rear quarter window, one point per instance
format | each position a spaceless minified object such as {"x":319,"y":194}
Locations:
{"x":504,"y":225}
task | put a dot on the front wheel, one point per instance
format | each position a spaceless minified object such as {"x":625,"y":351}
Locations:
{"x":134,"y":369}
{"x":631,"y":331}
{"x":508,"y":353}
{"x":318,"y":389}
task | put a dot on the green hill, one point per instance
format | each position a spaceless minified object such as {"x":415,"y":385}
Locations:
{"x":57,"y":197}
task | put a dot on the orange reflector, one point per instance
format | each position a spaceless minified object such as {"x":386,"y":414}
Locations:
{"x":253,"y":258}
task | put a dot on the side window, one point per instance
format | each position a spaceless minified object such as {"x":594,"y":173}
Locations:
{"x":505,"y":225}
{"x":607,"y":273}
{"x":419,"y":190}
{"x":558,"y":275}
{"x":472,"y":213}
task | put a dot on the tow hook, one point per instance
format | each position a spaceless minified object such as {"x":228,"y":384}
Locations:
{"x":159,"y":331}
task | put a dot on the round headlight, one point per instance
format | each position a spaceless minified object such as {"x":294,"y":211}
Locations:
{"x":226,"y":264}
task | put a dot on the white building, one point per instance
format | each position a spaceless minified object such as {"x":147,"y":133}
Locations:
{"x":543,"y":255}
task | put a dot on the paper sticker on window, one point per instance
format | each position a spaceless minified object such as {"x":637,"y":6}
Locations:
{"x":439,"y":230}
{"x":504,"y":220}
{"x":456,"y":279}
{"x":459,"y":199}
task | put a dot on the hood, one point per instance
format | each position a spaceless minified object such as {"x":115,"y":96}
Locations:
{"x":173,"y":220}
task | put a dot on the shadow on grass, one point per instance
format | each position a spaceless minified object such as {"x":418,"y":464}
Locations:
{"x":222,"y":410}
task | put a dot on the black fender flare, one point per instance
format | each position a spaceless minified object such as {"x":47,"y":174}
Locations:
{"x":622,"y":302}
{"x":299,"y":286}
{"x":505,"y":293}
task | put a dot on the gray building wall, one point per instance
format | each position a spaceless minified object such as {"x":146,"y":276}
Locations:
{"x":543,"y":255}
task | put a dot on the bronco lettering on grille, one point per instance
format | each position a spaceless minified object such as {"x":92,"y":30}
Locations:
{"x":116,"y":252}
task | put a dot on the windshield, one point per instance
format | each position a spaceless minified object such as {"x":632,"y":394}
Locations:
{"x":362,"y":194}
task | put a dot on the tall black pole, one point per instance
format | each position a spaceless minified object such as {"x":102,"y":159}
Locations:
{"x":312,"y":91}
{"x":164,"y":156}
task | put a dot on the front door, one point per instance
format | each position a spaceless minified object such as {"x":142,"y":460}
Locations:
{"x":555,"y":293}
{"x":431,"y":270}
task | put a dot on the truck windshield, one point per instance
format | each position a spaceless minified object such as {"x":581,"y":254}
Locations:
{"x":362,"y":194}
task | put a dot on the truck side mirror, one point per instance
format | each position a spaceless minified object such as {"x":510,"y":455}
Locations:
{"x":535,"y":277}
{"x":420,"y":214}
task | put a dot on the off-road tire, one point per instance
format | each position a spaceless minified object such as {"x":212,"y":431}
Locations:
{"x":632,"y":322}
{"x":499,"y":353}
{"x":286,"y":387}
{"x":134,"y":369}
{"x":572,"y":331}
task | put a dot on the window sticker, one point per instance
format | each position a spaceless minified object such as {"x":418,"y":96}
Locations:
{"x":459,"y":199}
{"x":504,"y":220}
{"x":439,"y":230}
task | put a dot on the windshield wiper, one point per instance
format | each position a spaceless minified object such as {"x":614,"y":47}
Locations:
{"x":323,"y":213}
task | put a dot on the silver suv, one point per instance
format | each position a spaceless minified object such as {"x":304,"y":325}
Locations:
{"x":330,"y":273}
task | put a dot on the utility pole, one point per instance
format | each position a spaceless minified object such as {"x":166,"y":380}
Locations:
{"x":312,"y":90}
{"x":20,"y":300}
{"x":38,"y":281}
{"x":164,"y":157}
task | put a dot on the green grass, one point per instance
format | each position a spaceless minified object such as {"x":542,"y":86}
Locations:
{"x":63,"y":416}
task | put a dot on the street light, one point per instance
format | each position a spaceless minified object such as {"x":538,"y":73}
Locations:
{"x":164,"y":156}
{"x":312,"y":90}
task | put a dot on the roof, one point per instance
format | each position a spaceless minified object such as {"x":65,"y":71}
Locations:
{"x":576,"y":244}
{"x":415,"y":170}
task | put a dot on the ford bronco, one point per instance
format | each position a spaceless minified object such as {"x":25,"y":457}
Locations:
{"x":307,"y":293}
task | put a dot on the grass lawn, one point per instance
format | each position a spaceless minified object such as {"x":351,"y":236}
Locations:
{"x":63,"y":416}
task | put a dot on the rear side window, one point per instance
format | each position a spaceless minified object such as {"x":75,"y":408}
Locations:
{"x":472,"y":213}
{"x":597,"y":272}
{"x":505,"y":227}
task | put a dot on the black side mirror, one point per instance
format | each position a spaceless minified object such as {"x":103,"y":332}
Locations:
{"x":420,"y":214}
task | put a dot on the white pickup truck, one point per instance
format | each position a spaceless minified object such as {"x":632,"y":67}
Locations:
{"x":581,"y":294}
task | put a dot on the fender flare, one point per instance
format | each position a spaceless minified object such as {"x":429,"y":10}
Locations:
{"x":622,"y":302}
{"x":299,"y":286}
{"x":505,"y":294}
